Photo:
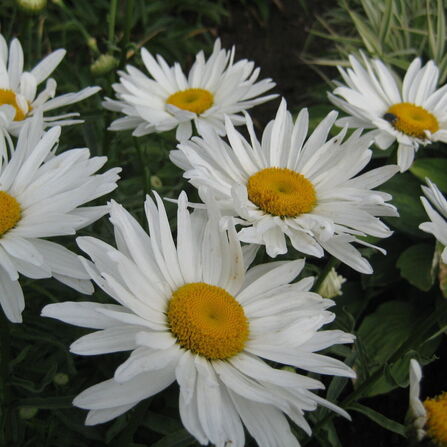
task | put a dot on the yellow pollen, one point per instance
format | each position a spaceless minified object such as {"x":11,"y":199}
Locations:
{"x":208,"y":321}
{"x":9,"y":212}
{"x":195,"y":100}
{"x":412,"y":120}
{"x":9,"y":97}
{"x":437,"y":418}
{"x":281,"y":192}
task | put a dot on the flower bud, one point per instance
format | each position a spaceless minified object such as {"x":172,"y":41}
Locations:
{"x":61,"y":379}
{"x":156,"y":182}
{"x":31,"y":6}
{"x":103,"y":65}
{"x":331,"y":286}
{"x":27,"y":412}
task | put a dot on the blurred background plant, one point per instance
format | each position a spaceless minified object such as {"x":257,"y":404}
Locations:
{"x":395,"y":31}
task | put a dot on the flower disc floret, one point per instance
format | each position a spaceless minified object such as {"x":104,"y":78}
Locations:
{"x":195,"y":100}
{"x":208,"y":321}
{"x":437,"y":418}
{"x":8,"y":97}
{"x":281,"y":192}
{"x":10,"y":212}
{"x":413,"y":120}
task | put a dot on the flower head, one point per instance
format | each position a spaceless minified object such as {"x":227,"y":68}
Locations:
{"x":438,"y":215}
{"x":212,"y":89}
{"x":428,"y":417}
{"x":41,"y":196}
{"x":19,"y":88}
{"x":412,"y":112}
{"x":194,"y":313}
{"x":284,"y":186}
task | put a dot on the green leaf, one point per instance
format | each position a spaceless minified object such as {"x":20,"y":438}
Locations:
{"x":406,"y":190}
{"x":434,"y":169}
{"x":379,"y":419}
{"x":384,"y":266}
{"x":386,"y":21}
{"x":440,"y":30}
{"x":48,"y":402}
{"x":416,"y":266}
{"x":161,"y":424}
{"x":180,"y":438}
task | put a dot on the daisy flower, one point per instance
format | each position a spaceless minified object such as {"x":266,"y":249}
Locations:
{"x":285,"y":187}
{"x":193,"y":313}
{"x":430,"y":416}
{"x":40,"y":197}
{"x":18,"y":88}
{"x":413,"y":112}
{"x":438,"y":224}
{"x":212,"y":89}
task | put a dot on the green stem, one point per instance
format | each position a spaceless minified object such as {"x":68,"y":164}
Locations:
{"x":127,"y":29}
{"x":145,"y":174}
{"x":90,"y":40}
{"x":112,"y":21}
{"x":332,"y":263}
{"x":29,"y":34}
{"x":4,"y":381}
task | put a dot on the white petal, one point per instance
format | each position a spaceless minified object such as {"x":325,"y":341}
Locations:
{"x":11,"y":298}
{"x":114,"y":339}
{"x":109,"y":394}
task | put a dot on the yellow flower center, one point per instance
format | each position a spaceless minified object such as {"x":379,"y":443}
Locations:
{"x":195,"y":100}
{"x":281,"y":192}
{"x":9,"y":97}
{"x":411,"y":119}
{"x":437,"y":418}
{"x":208,"y":321}
{"x":9,"y":212}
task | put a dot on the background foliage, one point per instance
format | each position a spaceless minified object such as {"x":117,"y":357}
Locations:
{"x":397,"y":313}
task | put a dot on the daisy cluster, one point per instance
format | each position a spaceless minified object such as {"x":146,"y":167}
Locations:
{"x":239,"y":338}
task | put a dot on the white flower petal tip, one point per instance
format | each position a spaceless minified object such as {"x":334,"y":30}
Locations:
{"x":169,"y":99}
{"x":161,"y":286}
{"x":44,"y":195}
{"x":374,"y":99}
{"x":335,"y":203}
{"x":436,"y":209}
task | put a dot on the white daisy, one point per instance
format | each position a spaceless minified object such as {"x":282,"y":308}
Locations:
{"x":18,"y":88}
{"x":192,"y":313}
{"x":413,"y":112}
{"x":40,"y":197}
{"x":430,"y":416}
{"x":438,"y":224}
{"x":283,"y":187}
{"x":212,"y":89}
{"x":417,"y":413}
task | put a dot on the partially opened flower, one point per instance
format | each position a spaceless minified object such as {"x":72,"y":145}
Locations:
{"x":19,"y":88}
{"x":192,"y":313}
{"x":412,"y":112}
{"x":438,"y":215}
{"x":331,"y":286}
{"x":212,"y":89}
{"x":430,"y":416}
{"x":285,"y":186}
{"x":41,"y":196}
